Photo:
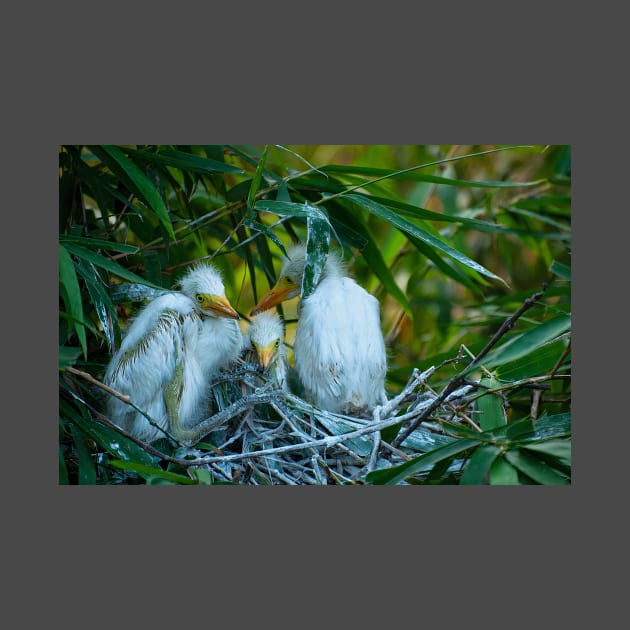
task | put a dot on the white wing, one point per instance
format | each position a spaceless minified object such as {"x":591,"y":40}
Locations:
{"x":145,"y":364}
{"x":339,"y":348}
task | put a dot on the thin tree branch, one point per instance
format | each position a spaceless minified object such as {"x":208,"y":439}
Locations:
{"x":459,"y":380}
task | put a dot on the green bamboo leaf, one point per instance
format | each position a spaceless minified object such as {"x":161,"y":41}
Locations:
{"x":204,"y":476}
{"x":434,"y":179}
{"x":556,"y":204}
{"x":466,"y":222}
{"x":108,"y":439}
{"x":63,"y":470}
{"x":421,"y":440}
{"x":560,"y":449}
{"x":409,"y":228}
{"x":317,"y":245}
{"x":134,"y":292}
{"x":186,"y":161}
{"x":527,"y":342}
{"x":446,"y":268}
{"x":109,"y":265}
{"x":564,"y":271}
{"x":95,"y":243}
{"x":490,"y":407}
{"x":516,"y":430}
{"x":539,"y":217}
{"x":144,"y":186}
{"x":464,"y":431}
{"x":479,"y":464}
{"x":540,"y":361}
{"x":292,"y":209}
{"x":246,"y":157}
{"x":396,"y":474}
{"x":150,"y":472}
{"x":253,"y":189}
{"x":103,"y":305}
{"x":87,"y":470}
{"x":502,"y":473}
{"x":373,"y":256}
{"x":68,"y":356}
{"x":70,"y":284}
{"x":256,"y":226}
{"x":336,"y":426}
{"x":556,"y":426}
{"x":300,"y":210}
{"x":535,"y":468}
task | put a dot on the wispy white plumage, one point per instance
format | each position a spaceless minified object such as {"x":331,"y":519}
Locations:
{"x":175,"y":345}
{"x":339,"y":348}
{"x":264,"y":346}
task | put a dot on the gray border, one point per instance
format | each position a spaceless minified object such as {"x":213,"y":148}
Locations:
{"x":488,"y":542}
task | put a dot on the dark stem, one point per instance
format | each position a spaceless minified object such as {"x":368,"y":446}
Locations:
{"x":460,"y":379}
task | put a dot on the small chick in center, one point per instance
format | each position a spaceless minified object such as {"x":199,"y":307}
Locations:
{"x":263,"y":346}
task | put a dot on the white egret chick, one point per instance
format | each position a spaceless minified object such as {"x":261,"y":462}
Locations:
{"x":339,"y":348}
{"x":264,"y":346}
{"x":168,"y":356}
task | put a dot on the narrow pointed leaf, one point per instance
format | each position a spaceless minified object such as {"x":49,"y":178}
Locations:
{"x":399,"y":473}
{"x":103,"y":305}
{"x":558,"y":425}
{"x":291,"y":209}
{"x":527,"y":342}
{"x":535,"y":468}
{"x":63,"y":470}
{"x":186,"y":161}
{"x":409,"y":228}
{"x":253,"y":189}
{"x":561,"y":449}
{"x":70,"y":284}
{"x":95,"y":243}
{"x":502,"y":473}
{"x":373,"y":256}
{"x":540,"y":361}
{"x":68,"y":356}
{"x":134,"y":292}
{"x":109,"y":439}
{"x":144,"y":186}
{"x":149,"y":472}
{"x":478,"y":466}
{"x":106,"y":263}
{"x":87,"y":471}
{"x":490,"y":407}
{"x":317,"y":245}
{"x":564,"y":271}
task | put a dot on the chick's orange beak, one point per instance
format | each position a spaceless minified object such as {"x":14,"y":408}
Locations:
{"x":220,"y":306}
{"x":278,"y":294}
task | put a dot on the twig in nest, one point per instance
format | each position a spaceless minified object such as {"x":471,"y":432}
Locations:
{"x":460,"y":378}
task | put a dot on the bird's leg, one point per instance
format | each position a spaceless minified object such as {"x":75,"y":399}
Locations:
{"x":172,"y":394}
{"x":171,"y":400}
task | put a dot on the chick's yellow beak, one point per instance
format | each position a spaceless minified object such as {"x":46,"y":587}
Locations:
{"x":265,"y":356}
{"x":219,"y":305}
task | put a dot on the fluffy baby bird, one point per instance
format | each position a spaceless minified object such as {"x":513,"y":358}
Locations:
{"x":168,"y":356}
{"x":263,"y":346}
{"x":339,"y":348}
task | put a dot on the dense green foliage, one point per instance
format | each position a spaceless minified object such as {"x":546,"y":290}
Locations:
{"x":452,"y":240}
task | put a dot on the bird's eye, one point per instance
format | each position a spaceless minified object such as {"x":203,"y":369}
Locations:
{"x":277,"y":343}
{"x":199,"y":298}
